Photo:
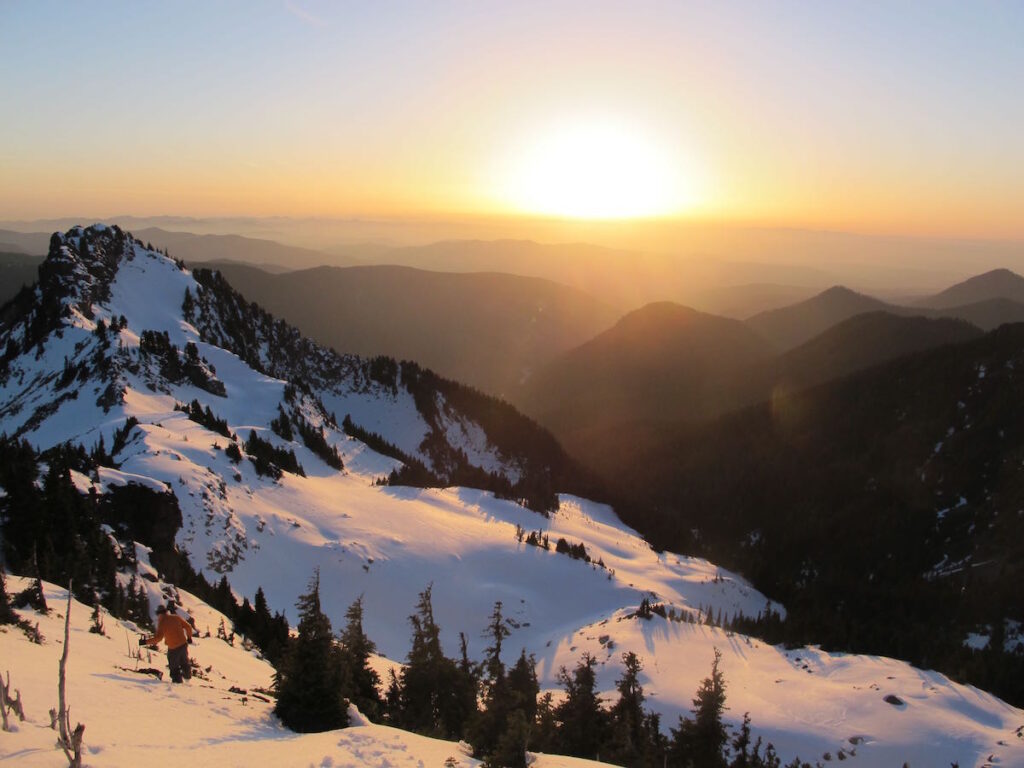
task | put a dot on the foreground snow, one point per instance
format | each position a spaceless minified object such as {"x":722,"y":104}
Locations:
{"x":133,"y":719}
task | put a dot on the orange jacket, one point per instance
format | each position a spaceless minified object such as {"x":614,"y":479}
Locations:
{"x":172,"y":629}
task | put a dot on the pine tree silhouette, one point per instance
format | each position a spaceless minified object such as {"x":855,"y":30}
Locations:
{"x":309,"y":697}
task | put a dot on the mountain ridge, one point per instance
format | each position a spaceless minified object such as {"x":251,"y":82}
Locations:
{"x":661,"y":360}
{"x":995,"y":284}
{"x":110,"y":352}
{"x":486,"y":329}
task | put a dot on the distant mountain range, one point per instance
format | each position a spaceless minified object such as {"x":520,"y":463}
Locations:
{"x":667,"y":363}
{"x":267,"y":254}
{"x":661,"y":362}
{"x":486,"y":329}
{"x":988,"y":301}
{"x":997,"y":284}
{"x":790,"y":326}
{"x":863,"y":341}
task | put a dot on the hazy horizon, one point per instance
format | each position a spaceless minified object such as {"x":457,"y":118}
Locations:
{"x":627,"y":263}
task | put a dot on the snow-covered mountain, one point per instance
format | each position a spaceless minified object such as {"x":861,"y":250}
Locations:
{"x":116,"y":338}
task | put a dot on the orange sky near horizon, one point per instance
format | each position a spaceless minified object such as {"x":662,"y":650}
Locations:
{"x":888,"y":119}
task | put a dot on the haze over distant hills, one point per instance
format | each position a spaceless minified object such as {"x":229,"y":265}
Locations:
{"x":16,"y":270}
{"x":639,"y":377}
{"x":266,"y":254}
{"x":488,"y":330}
{"x":627,"y":265}
{"x":663,"y":362}
{"x":790,"y":326}
{"x":863,"y":341}
{"x":666,"y":364}
{"x":986,"y":301}
{"x":997,"y":284}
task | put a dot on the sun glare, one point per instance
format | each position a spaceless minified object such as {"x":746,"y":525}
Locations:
{"x":596,"y":171}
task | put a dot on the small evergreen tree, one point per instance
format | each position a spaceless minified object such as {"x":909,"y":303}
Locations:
{"x":361,"y":680}
{"x":465,"y":684}
{"x":517,"y":736}
{"x":393,"y":699}
{"x":270,"y":633}
{"x":545,"y":732}
{"x":309,"y":698}
{"x":510,"y":749}
{"x":703,"y":739}
{"x":582,"y":721}
{"x":428,"y":703}
{"x":523,"y":687}
{"x":490,"y":723}
{"x":7,"y":615}
{"x":628,"y":740}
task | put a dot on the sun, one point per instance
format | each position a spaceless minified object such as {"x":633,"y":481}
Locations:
{"x":596,"y":170}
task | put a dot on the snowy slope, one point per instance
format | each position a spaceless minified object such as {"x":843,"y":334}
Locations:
{"x":388,"y":543}
{"x":133,"y":719}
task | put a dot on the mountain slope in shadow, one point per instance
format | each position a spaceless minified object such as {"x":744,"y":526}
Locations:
{"x":489,"y":330}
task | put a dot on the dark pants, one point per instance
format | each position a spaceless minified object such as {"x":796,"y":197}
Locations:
{"x":177,"y":660}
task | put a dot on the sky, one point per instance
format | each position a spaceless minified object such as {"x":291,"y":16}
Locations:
{"x":894,"y":117}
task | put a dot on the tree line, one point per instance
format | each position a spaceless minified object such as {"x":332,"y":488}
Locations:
{"x":499,"y":709}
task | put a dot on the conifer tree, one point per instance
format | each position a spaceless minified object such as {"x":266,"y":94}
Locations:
{"x":270,"y":633}
{"x":361,"y":680}
{"x":465,"y":684}
{"x":702,"y":740}
{"x":393,"y":699}
{"x":7,"y":615}
{"x":510,"y":749}
{"x":428,"y":703}
{"x":490,"y":723}
{"x":520,"y":713}
{"x":545,"y":732}
{"x":628,"y":740}
{"x":309,"y":697}
{"x":582,"y":721}
{"x":523,"y":687}
{"x":497,"y":631}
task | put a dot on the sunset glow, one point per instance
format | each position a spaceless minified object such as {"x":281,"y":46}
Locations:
{"x":883,"y":119}
{"x":596,"y":170}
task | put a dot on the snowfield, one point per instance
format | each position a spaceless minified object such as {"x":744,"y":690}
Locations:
{"x":387,"y":544}
{"x":133,"y":719}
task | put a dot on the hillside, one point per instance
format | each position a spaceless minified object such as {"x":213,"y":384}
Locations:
{"x":987,"y":315}
{"x":861,"y":342}
{"x":664,"y":360}
{"x":28,"y":243}
{"x":488,"y":330}
{"x":986,"y":301}
{"x":996,"y":284}
{"x":16,"y":270}
{"x":652,"y":416}
{"x":87,"y":361}
{"x":790,"y":326}
{"x":906,"y":473}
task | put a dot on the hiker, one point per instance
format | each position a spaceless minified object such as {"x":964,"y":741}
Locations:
{"x":172,"y":607}
{"x":177,"y":633}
